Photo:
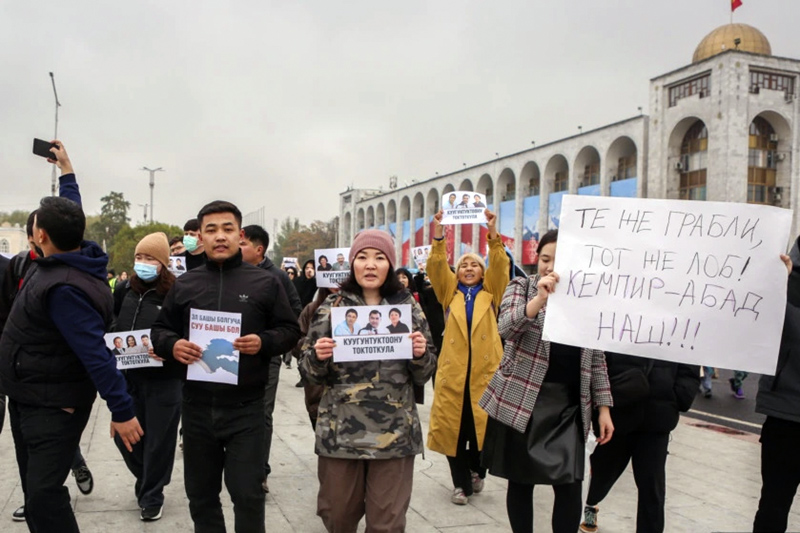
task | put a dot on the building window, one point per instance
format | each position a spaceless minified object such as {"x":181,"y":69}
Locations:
{"x":591,"y":175}
{"x":5,"y":248}
{"x":761,"y":162}
{"x":561,"y":182}
{"x":511,"y":192}
{"x":770,"y":80}
{"x":694,"y":158}
{"x":700,"y":85}
{"x":533,"y":186}
{"x":626,"y":168}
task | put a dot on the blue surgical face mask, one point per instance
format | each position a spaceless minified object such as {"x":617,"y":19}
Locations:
{"x":145,"y":271}
{"x":190,"y":243}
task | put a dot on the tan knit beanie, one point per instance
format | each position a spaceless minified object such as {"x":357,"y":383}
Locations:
{"x":155,"y":245}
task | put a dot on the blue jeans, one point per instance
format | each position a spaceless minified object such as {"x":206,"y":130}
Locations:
{"x":45,"y":440}
{"x":224,"y":440}
{"x":705,"y":383}
{"x":738,"y":378}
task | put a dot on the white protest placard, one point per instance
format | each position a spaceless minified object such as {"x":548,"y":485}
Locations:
{"x":333,"y":266}
{"x":686,"y":281}
{"x":289,"y":261}
{"x":214,"y":332}
{"x":131,"y":349}
{"x":177,"y":265}
{"x":371,"y":333}
{"x":421,"y":254}
{"x":463,"y":207}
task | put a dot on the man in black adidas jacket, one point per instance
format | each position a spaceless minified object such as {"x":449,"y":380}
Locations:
{"x":223,"y":425}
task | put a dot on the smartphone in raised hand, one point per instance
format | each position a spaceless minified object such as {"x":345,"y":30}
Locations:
{"x":42,"y":148}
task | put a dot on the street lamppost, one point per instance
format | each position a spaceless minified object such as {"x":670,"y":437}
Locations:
{"x":145,"y":211}
{"x":55,"y":136}
{"x":152,"y":186}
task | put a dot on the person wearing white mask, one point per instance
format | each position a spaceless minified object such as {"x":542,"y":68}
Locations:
{"x":156,"y":391}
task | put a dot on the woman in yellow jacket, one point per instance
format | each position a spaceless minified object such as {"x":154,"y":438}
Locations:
{"x":471,"y":352}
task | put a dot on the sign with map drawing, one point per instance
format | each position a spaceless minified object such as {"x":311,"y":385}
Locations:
{"x":214,"y":332}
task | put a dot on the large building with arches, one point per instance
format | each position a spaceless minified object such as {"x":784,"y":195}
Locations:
{"x":723,"y":128}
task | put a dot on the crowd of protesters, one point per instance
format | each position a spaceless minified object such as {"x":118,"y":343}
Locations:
{"x":505,"y":401}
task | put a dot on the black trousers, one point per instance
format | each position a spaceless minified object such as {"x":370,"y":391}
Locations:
{"x":2,"y":411}
{"x":45,"y":440}
{"x":648,"y":450}
{"x":270,"y":392}
{"x":780,"y":474}
{"x":566,"y":507}
{"x":224,"y":441}
{"x":468,"y":454}
{"x":158,"y":408}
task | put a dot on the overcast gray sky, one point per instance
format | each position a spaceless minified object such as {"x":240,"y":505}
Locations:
{"x":284,"y":104}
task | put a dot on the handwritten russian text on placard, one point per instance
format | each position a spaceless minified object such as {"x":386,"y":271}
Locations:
{"x":685,"y":281}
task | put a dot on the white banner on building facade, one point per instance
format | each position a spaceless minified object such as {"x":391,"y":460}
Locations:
{"x":685,"y":281}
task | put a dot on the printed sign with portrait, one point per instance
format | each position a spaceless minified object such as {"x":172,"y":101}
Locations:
{"x":131,"y":349}
{"x":332,"y":266}
{"x":289,"y":262}
{"x":420,"y":255}
{"x":177,"y":265}
{"x":371,"y":333}
{"x":463,"y":207}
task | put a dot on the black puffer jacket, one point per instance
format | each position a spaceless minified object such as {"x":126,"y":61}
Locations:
{"x":673,"y":387}
{"x":779,"y":395}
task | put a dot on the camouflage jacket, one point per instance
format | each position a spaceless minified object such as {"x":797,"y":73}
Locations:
{"x":367,"y":410}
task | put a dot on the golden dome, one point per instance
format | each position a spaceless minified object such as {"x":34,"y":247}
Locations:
{"x":722,"y":39}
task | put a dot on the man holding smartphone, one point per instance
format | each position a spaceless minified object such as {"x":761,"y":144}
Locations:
{"x":53,"y":358}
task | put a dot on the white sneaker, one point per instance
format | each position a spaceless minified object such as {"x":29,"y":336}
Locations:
{"x":458,"y":497}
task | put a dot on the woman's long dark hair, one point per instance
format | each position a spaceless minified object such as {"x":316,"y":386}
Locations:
{"x":412,"y":287}
{"x":391,"y":285}
{"x":547,"y":238}
{"x":162,"y":284}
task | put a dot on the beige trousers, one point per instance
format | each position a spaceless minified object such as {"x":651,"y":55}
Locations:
{"x":352,"y":488}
